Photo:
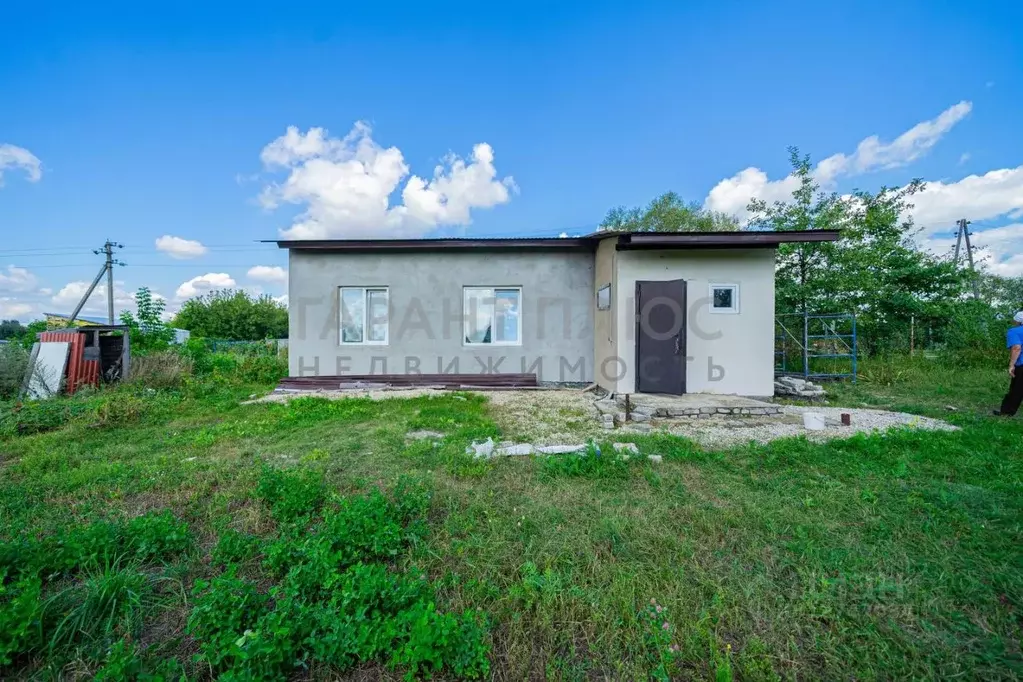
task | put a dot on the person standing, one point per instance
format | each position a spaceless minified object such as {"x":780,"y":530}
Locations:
{"x":1014,"y":342}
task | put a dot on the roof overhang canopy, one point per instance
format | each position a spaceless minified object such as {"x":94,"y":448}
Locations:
{"x":748,"y":239}
{"x":744,"y":239}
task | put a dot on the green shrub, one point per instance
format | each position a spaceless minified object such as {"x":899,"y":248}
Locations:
{"x":152,"y":536}
{"x":108,"y":605}
{"x":13,"y":363}
{"x":157,"y":535}
{"x":590,"y":464}
{"x":226,"y":609}
{"x":291,"y":494}
{"x":124,"y":662}
{"x":20,"y":615}
{"x":234,"y":547}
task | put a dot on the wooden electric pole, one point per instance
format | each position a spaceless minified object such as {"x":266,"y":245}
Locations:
{"x":963,"y":234}
{"x":108,"y":269}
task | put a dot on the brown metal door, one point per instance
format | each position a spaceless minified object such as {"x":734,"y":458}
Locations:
{"x":661,"y":337}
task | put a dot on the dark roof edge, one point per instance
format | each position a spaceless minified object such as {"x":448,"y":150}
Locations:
{"x":626,"y":240}
{"x":433,"y":244}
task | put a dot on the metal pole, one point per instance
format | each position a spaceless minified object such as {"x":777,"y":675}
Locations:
{"x":959,"y":240}
{"x":806,"y":341}
{"x":855,"y":348}
{"x":969,"y":255}
{"x":108,"y":249}
{"x":88,"y":293}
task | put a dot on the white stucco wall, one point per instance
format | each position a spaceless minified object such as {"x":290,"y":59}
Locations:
{"x":740,"y":346}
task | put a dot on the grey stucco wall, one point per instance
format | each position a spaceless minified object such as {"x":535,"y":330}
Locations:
{"x":425,"y":328}
{"x":605,"y":331}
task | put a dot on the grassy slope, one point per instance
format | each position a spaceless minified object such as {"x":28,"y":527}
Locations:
{"x":883,"y":557}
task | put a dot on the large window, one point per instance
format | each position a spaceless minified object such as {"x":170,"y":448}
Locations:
{"x":364,"y":315}
{"x":724,"y":298}
{"x":493,"y":315}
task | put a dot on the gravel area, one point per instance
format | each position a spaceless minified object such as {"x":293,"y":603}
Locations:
{"x":727,"y":432}
{"x":569,"y":416}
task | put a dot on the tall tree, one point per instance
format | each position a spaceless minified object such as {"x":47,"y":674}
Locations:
{"x":11,"y":329}
{"x":234,"y":316}
{"x":148,"y":330}
{"x":668,"y":213}
{"x":805,"y":278}
{"x":876,"y":270}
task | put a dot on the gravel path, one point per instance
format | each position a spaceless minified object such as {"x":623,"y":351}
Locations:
{"x":731,"y":431}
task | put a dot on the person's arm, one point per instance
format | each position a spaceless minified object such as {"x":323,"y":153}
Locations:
{"x":1013,"y":358}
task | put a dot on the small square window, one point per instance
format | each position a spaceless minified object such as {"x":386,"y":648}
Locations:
{"x":724,"y":298}
{"x":604,"y":297}
{"x":364,"y":315}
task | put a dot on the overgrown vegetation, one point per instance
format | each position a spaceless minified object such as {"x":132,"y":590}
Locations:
{"x":175,"y":534}
{"x":234,"y":316}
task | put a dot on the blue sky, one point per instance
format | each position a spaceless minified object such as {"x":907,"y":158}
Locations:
{"x":140,"y":125}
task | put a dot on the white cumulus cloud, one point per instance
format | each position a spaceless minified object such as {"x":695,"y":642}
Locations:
{"x":13,"y":309}
{"x":344,"y":186}
{"x":268,"y":273}
{"x":16,"y":279}
{"x":71,"y":293}
{"x":197,"y":286}
{"x":179,"y":248}
{"x":19,"y":157}
{"x":999,"y":250}
{"x":975,"y":197}
{"x":733,"y":194}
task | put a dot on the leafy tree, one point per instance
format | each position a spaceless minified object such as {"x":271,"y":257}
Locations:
{"x":805,"y":280}
{"x":28,"y":337}
{"x":668,"y":213}
{"x":875,"y":270}
{"x":11,"y":329}
{"x":234,"y":316}
{"x":148,"y":330}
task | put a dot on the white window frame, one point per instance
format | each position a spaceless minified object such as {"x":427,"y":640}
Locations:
{"x":493,"y":324}
{"x":365,"y":316}
{"x":734,"y":310}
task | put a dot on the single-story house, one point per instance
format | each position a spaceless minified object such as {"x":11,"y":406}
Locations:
{"x":648,"y":312}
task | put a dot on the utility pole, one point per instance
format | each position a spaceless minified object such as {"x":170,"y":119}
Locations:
{"x":108,"y":269}
{"x":963,"y":234}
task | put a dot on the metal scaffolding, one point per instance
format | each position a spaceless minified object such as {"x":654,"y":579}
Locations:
{"x":816,"y":346}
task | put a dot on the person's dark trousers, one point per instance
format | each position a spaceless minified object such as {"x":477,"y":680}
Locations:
{"x":1014,"y":397}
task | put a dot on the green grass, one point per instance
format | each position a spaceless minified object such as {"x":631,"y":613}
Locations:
{"x":249,"y":532}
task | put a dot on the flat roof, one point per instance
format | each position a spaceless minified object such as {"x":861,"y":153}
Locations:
{"x":624,"y":241}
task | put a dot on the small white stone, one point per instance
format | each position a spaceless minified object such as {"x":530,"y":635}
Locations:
{"x":656,"y":459}
{"x":630,"y":447}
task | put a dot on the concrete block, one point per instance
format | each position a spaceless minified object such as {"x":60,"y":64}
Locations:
{"x":708,"y":410}
{"x":558,"y":449}
{"x":516,"y":450}
{"x":640,"y":417}
{"x":625,"y":447}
